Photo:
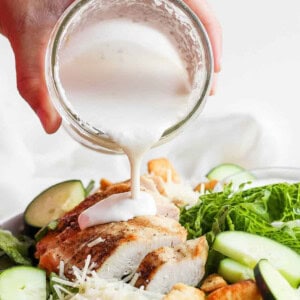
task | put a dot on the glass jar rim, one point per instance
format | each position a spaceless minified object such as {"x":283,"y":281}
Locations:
{"x":89,"y":136}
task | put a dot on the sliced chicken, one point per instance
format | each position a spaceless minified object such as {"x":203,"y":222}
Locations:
{"x":116,"y":249}
{"x":166,"y":266}
{"x":154,"y":186}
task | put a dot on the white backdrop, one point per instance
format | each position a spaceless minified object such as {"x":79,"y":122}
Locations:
{"x":252,"y":121}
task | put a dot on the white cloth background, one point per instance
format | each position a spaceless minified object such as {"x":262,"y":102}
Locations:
{"x":252,"y":121}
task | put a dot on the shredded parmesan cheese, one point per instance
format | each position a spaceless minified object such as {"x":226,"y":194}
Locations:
{"x":181,"y":193}
{"x":61,"y":269}
{"x":202,"y":189}
{"x":96,"y":242}
{"x":134,"y":279}
{"x":89,"y":286}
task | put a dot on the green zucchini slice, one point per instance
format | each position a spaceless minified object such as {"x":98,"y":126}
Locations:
{"x":272,"y":284}
{"x":248,"y":249}
{"x":223,"y":171}
{"x":54,"y":202}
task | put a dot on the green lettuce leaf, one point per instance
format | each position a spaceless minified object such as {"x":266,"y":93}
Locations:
{"x":16,"y":249}
{"x":252,"y":210}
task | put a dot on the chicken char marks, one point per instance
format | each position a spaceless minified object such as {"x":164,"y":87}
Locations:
{"x":116,"y":248}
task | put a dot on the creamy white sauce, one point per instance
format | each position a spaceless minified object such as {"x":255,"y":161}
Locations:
{"x":127,"y":80}
{"x":117,"y":207}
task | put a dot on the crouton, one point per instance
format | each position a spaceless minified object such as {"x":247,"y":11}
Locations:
{"x":213,"y":282}
{"x":104,"y":184}
{"x":208,"y":186}
{"x":181,"y":291}
{"x":243,"y":290}
{"x":163,"y":168}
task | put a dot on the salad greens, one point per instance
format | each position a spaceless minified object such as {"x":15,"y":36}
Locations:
{"x":44,"y":230}
{"x":53,"y":291}
{"x":252,"y":210}
{"x":14,"y":250}
{"x":271,"y":211}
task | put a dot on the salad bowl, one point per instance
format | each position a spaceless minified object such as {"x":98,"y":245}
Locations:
{"x":239,"y":207}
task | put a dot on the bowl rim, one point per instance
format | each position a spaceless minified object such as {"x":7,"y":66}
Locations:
{"x":267,"y":169}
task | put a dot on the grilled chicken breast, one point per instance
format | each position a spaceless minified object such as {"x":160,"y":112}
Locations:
{"x":154,"y":186}
{"x":116,"y":249}
{"x":166,"y":266}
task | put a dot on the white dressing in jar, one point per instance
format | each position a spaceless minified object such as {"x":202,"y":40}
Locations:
{"x":130,"y":79}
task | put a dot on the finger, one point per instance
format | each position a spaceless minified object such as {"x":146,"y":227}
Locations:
{"x":29,"y":56}
{"x":214,"y":85}
{"x":29,"y":25}
{"x":205,"y":13}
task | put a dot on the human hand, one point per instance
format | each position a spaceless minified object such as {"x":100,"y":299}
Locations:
{"x":28,"y":25}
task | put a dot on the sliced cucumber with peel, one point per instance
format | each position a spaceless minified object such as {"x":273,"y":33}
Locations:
{"x":232,"y":271}
{"x":272,"y":285}
{"x":23,"y":283}
{"x":248,"y":249}
{"x":224,"y":171}
{"x":54,"y":202}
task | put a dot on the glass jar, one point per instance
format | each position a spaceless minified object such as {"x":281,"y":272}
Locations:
{"x":170,"y":17}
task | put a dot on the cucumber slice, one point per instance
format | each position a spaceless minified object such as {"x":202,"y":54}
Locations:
{"x":249,"y":249}
{"x":232,"y":271}
{"x":223,"y":171}
{"x":271,"y":284}
{"x":54,"y":202}
{"x":23,"y":283}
